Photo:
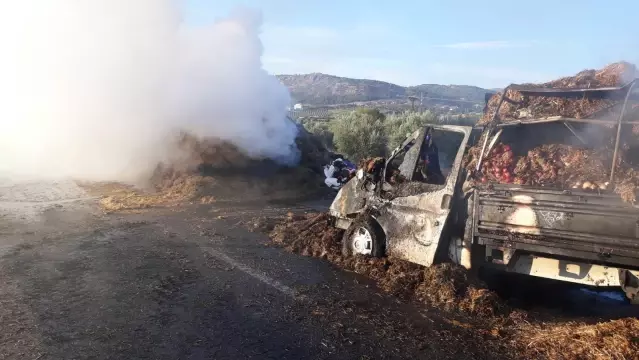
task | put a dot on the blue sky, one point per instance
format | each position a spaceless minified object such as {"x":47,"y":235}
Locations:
{"x":483,"y":43}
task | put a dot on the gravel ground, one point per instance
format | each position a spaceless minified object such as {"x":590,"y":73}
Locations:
{"x":192,"y":283}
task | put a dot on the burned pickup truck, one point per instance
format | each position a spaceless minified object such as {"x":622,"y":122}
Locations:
{"x":551,"y":197}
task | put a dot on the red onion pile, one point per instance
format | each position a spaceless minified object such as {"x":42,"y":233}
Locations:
{"x":498,"y":165}
{"x":548,"y":165}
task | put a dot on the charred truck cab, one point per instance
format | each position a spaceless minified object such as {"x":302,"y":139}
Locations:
{"x":422,"y":205}
{"x":403,"y":205}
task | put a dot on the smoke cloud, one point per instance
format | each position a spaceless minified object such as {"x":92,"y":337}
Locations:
{"x":93,"y":89}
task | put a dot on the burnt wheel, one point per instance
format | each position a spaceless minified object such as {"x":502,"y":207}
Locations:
{"x":364,"y":237}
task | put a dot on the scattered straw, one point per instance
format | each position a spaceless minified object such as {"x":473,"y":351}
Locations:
{"x":617,"y":339}
{"x":451,"y":288}
{"x":447,"y":286}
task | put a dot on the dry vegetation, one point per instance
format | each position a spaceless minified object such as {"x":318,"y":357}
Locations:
{"x":447,"y":286}
{"x":118,"y":196}
{"x":212,"y":171}
{"x":522,"y":106}
{"x":562,"y":165}
{"x":451,"y":288}
{"x":616,"y":339}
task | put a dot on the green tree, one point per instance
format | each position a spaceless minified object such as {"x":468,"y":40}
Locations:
{"x":374,"y":113}
{"x":360,"y":134}
{"x":321,"y":129}
{"x":398,"y":126}
{"x":368,"y":132}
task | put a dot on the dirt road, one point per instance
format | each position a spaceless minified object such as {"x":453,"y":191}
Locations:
{"x":189,"y":283}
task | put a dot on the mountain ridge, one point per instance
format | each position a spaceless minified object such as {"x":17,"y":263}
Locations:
{"x":323,"y":89}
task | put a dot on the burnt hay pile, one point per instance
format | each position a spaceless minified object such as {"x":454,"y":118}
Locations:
{"x":210,"y":170}
{"x":451,"y":288}
{"x":521,"y":106}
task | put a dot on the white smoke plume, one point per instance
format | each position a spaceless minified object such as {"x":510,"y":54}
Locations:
{"x":91,"y":88}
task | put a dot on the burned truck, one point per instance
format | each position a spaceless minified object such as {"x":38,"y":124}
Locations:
{"x":552,"y":197}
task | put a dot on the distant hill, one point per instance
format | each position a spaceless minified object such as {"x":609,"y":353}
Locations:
{"x":322,"y":89}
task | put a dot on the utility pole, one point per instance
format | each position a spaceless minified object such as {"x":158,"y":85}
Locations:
{"x":412,"y":100}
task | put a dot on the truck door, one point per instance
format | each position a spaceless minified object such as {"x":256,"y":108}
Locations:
{"x":419,"y":207}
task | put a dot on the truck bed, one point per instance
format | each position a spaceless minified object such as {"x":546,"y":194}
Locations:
{"x":573,"y":224}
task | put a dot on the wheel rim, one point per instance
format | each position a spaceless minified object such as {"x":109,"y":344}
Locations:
{"x":362,"y":241}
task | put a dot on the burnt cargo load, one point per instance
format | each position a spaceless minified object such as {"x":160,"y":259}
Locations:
{"x":543,"y":188}
{"x":579,"y":151}
{"x":556,"y":179}
{"x":521,"y":103}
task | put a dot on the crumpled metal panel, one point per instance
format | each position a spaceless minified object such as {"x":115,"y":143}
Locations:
{"x":413,"y":222}
{"x":351,"y":199}
{"x":412,"y":235}
{"x":407,"y":167}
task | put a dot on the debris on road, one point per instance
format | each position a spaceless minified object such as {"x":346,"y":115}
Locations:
{"x":452,"y":288}
{"x":617,"y":339}
{"x":338,"y":173}
{"x":220,"y":169}
{"x":263,"y":224}
{"x":447,"y":286}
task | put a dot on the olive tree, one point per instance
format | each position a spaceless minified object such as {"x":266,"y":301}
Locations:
{"x":321,"y":129}
{"x":398,"y":126}
{"x":360,"y":133}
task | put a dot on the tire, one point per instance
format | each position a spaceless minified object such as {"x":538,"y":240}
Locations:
{"x":629,"y":285}
{"x":364,"y":237}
